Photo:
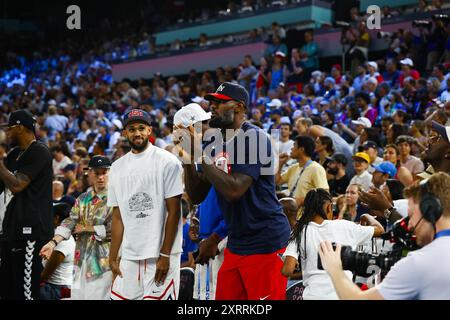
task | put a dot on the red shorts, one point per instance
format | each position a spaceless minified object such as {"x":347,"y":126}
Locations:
{"x":252,"y":277}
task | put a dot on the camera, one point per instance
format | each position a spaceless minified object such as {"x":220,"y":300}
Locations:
{"x":401,"y":236}
{"x":422,"y":24}
{"x":362,"y":263}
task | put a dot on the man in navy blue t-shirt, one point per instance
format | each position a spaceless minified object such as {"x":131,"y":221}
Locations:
{"x":238,"y":164}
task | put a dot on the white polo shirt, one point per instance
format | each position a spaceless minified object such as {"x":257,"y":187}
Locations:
{"x":139,"y":185}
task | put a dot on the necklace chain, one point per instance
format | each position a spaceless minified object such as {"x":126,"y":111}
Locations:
{"x":22,"y":152}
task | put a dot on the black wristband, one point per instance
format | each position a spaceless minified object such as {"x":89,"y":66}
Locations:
{"x":54,"y":241}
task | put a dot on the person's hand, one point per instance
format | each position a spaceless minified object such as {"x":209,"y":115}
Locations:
{"x":188,"y":142}
{"x":208,"y":249}
{"x":375,"y":199}
{"x":47,"y":250}
{"x":283,"y":158}
{"x":114,"y":265}
{"x":79,"y":228}
{"x":364,"y":220}
{"x":331,"y":260}
{"x":162,"y":268}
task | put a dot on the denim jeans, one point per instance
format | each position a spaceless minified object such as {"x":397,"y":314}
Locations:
{"x":54,"y":292}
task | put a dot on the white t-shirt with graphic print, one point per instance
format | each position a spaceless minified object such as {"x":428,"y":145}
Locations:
{"x":139,"y":184}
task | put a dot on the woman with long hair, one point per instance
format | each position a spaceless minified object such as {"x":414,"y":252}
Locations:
{"x":352,"y":209}
{"x":392,"y":153}
{"x":314,"y":226}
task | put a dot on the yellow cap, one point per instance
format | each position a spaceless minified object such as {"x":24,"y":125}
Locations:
{"x":363,"y":156}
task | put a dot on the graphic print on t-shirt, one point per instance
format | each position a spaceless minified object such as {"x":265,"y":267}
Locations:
{"x":140,"y":202}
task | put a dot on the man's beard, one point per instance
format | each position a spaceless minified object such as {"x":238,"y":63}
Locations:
{"x":138,"y":147}
{"x":226,"y":121}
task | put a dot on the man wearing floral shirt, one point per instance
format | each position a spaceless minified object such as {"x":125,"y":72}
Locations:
{"x":90,"y":220}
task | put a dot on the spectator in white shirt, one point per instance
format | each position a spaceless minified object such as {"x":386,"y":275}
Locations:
{"x":60,"y":160}
{"x":360,"y":165}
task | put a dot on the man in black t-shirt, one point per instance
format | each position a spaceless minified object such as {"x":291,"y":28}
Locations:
{"x":337,"y":178}
{"x":25,"y":173}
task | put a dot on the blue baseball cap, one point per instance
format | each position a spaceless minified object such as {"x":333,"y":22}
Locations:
{"x":386,"y":167}
{"x":137,"y":115}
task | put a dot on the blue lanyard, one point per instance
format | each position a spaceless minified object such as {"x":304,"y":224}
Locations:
{"x":291,"y":194}
{"x":443,"y":233}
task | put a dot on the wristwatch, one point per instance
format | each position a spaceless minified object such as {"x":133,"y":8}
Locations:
{"x":388,"y":212}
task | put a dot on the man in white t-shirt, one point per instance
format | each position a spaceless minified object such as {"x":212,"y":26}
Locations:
{"x":60,"y":160}
{"x":424,"y":274}
{"x":56,"y":278}
{"x":362,"y":176}
{"x":145,"y":188}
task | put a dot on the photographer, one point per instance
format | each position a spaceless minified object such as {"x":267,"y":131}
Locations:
{"x":314,"y":226}
{"x":417,"y":276}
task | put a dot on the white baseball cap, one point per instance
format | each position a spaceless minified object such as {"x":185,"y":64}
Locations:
{"x":363,"y":121}
{"x":190,"y":115}
{"x":373,"y":64}
{"x":117,"y":123}
{"x":297,"y":114}
{"x":285,"y":120}
{"x":275,"y":103}
{"x":407,"y":62}
{"x":197,"y":99}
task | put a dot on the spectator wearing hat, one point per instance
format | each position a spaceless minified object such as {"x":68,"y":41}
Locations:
{"x":275,"y":119}
{"x":338,"y":180}
{"x":362,"y":176}
{"x":407,"y":71}
{"x":371,"y":148}
{"x":336,"y":73}
{"x":372,"y":68}
{"x":360,"y":124}
{"x":279,"y":70}
{"x":90,"y":219}
{"x":26,"y":181}
{"x":276,"y":45}
{"x":212,"y":227}
{"x":382,"y":172}
{"x":413,"y":164}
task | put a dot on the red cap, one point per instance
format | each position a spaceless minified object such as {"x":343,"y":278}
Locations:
{"x":337,"y":66}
